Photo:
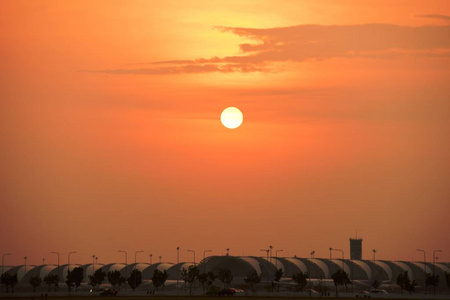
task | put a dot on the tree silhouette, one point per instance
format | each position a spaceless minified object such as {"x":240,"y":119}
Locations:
{"x":225,"y":276}
{"x":135,"y":279}
{"x":252,"y":279}
{"x":9,"y":281}
{"x":51,"y":280}
{"x":159,"y":278}
{"x":210,"y":281}
{"x":97,"y":279}
{"x":431,"y":281}
{"x":192,"y":274}
{"x":184,"y":276}
{"x":301,"y":279}
{"x":278,"y":274}
{"x":35,"y":282}
{"x":115,"y":278}
{"x":447,"y":279}
{"x":340,"y":277}
{"x":203,"y":279}
{"x":74,"y":278}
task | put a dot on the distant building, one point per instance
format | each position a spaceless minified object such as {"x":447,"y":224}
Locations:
{"x":355,"y":249}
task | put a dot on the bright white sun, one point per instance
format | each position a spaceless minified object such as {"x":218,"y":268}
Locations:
{"x":231,"y":117}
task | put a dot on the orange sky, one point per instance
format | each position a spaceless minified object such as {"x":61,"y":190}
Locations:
{"x":111,"y":139}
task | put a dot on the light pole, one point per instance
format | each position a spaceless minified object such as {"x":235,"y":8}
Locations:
{"x":192,"y":252}
{"x":126,"y":266}
{"x":68,"y":260}
{"x":178,"y":273}
{"x":135,"y":264}
{"x":93,"y":264}
{"x":331,"y":257}
{"x":25,"y":259}
{"x":59,"y":275}
{"x":312,"y":253}
{"x":267,"y":264}
{"x":434,"y":260}
{"x":160,"y":257}
{"x":204,"y":256}
{"x":3,"y":260}
{"x":276,"y":258}
{"x":270,"y":248}
{"x":424,"y":265}
{"x":135,"y":257}
{"x":43,"y":261}
{"x":228,"y":251}
{"x":151,"y":259}
{"x":342,"y":257}
{"x":374,"y":251}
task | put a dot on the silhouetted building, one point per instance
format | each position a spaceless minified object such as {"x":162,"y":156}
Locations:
{"x":355,"y":249}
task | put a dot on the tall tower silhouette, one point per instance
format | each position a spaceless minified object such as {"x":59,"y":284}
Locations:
{"x":356,"y":248}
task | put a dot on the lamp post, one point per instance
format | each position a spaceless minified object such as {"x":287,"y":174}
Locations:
{"x":204,"y":256}
{"x":424,"y":266}
{"x":270,"y":248}
{"x":43,"y":261}
{"x":228,"y":251}
{"x":178,"y":273}
{"x":93,"y":264}
{"x":160,"y":257}
{"x":434,"y":260}
{"x":192,"y":252}
{"x":135,"y":264}
{"x":312,"y":253}
{"x":68,"y":260}
{"x":331,"y":257}
{"x":151,"y":259}
{"x":3,"y":260}
{"x":374,"y":251}
{"x":342,"y":257}
{"x":267,"y":264}
{"x":126,"y":266}
{"x":59,"y":275}
{"x":276,"y":258}
{"x":25,"y":259}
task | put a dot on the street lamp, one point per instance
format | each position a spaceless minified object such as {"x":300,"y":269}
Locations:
{"x":43,"y":261}
{"x":204,"y":256}
{"x":267,"y":251}
{"x":151,"y":259}
{"x":192,"y":252}
{"x":135,"y":264}
{"x":312,"y":253}
{"x":59,"y":275}
{"x":126,"y":265}
{"x":68,"y":260}
{"x":178,"y":273}
{"x":135,"y":257}
{"x":424,"y":261}
{"x":3,"y":261}
{"x":93,"y":264}
{"x":342,"y":257}
{"x":276,"y":258}
{"x":374,"y":251}
{"x":270,"y":248}
{"x":331,"y":257}
{"x":160,"y":257}
{"x":434,"y":260}
{"x":228,"y":251}
{"x":25,"y":259}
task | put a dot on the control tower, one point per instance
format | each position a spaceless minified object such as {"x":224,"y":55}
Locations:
{"x":356,"y":248}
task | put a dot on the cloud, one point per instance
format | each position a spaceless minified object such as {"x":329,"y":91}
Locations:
{"x":311,"y":42}
{"x":433,"y":16}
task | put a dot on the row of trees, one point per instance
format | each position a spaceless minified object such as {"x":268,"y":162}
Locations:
{"x":206,"y":279}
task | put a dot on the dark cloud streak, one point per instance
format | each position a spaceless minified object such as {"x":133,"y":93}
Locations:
{"x":311,"y":42}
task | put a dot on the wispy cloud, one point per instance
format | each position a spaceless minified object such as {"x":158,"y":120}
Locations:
{"x":434,"y":16}
{"x":311,"y":42}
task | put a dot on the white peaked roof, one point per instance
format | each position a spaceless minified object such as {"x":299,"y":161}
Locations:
{"x":385,"y":268}
{"x":365,"y":267}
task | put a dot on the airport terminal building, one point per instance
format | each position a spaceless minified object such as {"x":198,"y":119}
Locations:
{"x":361,"y":272}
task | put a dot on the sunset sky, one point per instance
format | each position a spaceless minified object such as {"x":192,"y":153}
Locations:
{"x":111,"y":136}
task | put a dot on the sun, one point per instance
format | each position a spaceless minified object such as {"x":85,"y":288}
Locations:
{"x":231,"y":117}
